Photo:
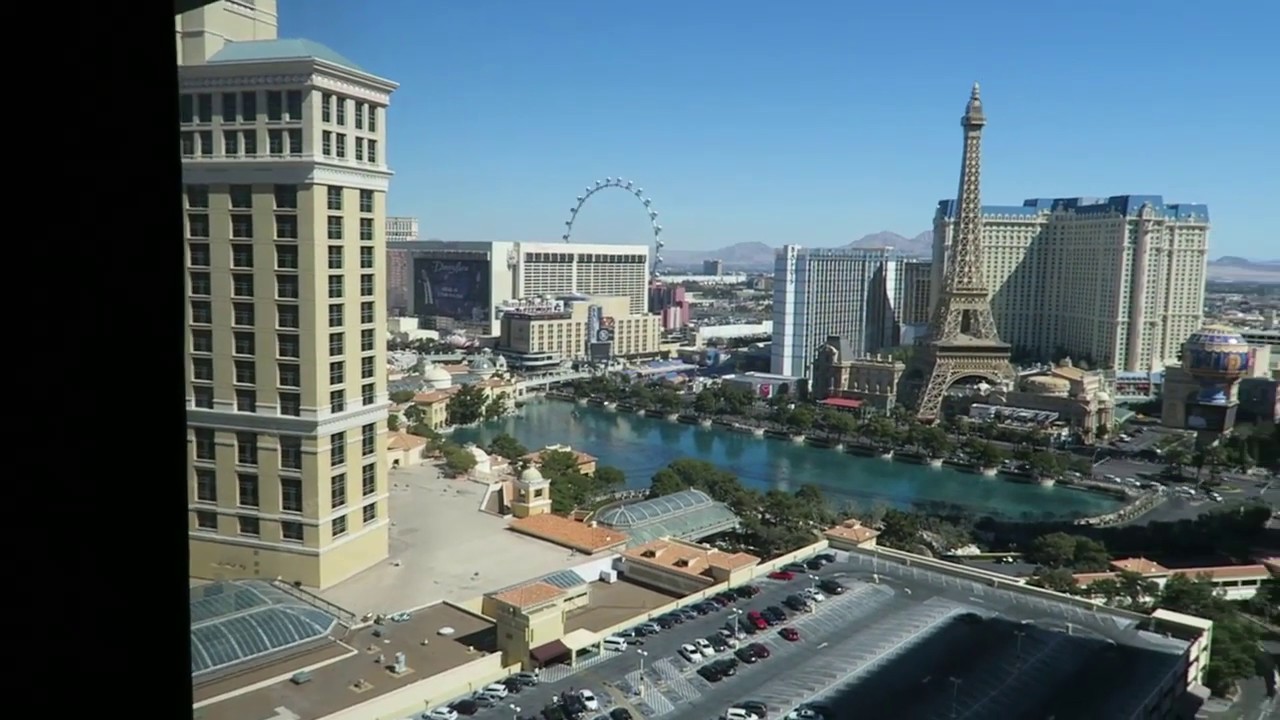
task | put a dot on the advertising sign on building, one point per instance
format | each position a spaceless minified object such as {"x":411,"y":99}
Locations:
{"x":452,"y":288}
{"x":599,"y":333}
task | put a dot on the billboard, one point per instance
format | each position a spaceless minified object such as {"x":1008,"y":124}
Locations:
{"x":599,"y":333}
{"x":452,"y":288}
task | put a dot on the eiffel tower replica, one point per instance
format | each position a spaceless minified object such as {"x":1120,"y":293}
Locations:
{"x":963,"y":340}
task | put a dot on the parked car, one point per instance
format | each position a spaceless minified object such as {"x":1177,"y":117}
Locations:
{"x":813,"y":594}
{"x":832,"y":587}
{"x":795,"y":567}
{"x":619,"y":713}
{"x":755,"y":707}
{"x":497,"y":690}
{"x":790,"y":634}
{"x":441,"y":713}
{"x":760,"y":649}
{"x":589,"y":699}
{"x":825,"y":557}
{"x":512,"y":685}
{"x":704,"y":647}
{"x":466,"y":706}
{"x":719,"y":642}
{"x":746,"y":656}
{"x":815,"y":564}
{"x":737,"y":713}
{"x":782,"y":575}
{"x":527,"y":679}
{"x":690,"y":653}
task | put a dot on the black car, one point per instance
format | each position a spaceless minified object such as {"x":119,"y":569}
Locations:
{"x":746,"y":627}
{"x":665,"y":622}
{"x":710,"y":674}
{"x":465,"y":707}
{"x":755,"y":707}
{"x":825,"y":557}
{"x":513,"y":685}
{"x":675,"y":617}
{"x":814,"y":564}
{"x":773,"y":615}
{"x":745,"y":655}
{"x":717,"y":643}
{"x":831,"y":586}
{"x":727,"y":667}
{"x":795,"y":568}
{"x":795,"y":602}
{"x":774,"y":609}
{"x":620,"y":713}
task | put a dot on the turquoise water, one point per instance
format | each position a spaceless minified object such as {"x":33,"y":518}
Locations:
{"x":641,"y":446}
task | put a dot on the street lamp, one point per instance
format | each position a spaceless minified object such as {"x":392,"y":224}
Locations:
{"x":515,"y":710}
{"x":1019,"y":634}
{"x":642,"y":655}
{"x":955,"y":696}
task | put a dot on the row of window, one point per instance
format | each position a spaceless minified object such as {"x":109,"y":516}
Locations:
{"x":287,"y":286}
{"x":288,"y":375}
{"x":290,"y":403}
{"x":281,"y":106}
{"x":287,"y":345}
{"x":335,"y":145}
{"x":290,"y":448}
{"x":286,"y":227}
{"x":248,"y":489}
{"x":285,"y":196}
{"x":290,"y":530}
{"x":333,"y":109}
{"x":280,"y":143}
{"x":243,"y":314}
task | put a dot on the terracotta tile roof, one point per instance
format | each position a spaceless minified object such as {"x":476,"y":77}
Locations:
{"x":434,"y":396}
{"x":535,"y":593}
{"x":459,"y":369}
{"x":687,"y":558}
{"x":569,"y":533}
{"x":494,"y":383}
{"x":851,"y":530}
{"x":1139,"y":565}
{"x":405,"y":441}
{"x":1227,"y":572}
{"x":536,"y":456}
{"x":1089,"y":578}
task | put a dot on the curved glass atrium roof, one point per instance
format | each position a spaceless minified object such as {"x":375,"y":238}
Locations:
{"x":235,"y":621}
{"x":646,"y":512}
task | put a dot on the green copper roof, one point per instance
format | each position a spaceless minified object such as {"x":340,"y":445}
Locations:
{"x":298,"y":49}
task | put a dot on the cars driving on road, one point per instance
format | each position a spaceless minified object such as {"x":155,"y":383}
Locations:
{"x":589,"y":699}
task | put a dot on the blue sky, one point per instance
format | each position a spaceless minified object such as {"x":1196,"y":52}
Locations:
{"x":809,"y":122}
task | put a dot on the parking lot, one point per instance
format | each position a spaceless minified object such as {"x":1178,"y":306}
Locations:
{"x":956,"y":644}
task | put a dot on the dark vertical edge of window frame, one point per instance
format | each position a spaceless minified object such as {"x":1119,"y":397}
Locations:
{"x":99,"y":283}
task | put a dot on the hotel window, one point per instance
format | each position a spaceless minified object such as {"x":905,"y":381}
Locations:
{"x":250,"y":139}
{"x":242,"y":226}
{"x":242,"y":314}
{"x":335,"y":315}
{"x":373,"y":118}
{"x":206,"y":520}
{"x":275,"y":142}
{"x":290,"y":495}
{"x":206,"y":143}
{"x":186,"y":108}
{"x":204,"y":108}
{"x":366,"y":368}
{"x":275,"y":105}
{"x":205,"y":446}
{"x":366,"y":228}
{"x":340,"y":149}
{"x":338,"y":526}
{"x":337,"y":372}
{"x":368,"y":440}
{"x":295,"y":142}
{"x":247,"y":490}
{"x":291,"y":531}
{"x":187,"y":143}
{"x":290,"y":452}
{"x":366,"y":258}
{"x":370,"y":512}
{"x":207,"y":486}
{"x":335,"y":227}
{"x":366,"y":285}
{"x":338,"y":490}
{"x":241,"y":197}
{"x":242,"y":258}
{"x":359,"y":119}
{"x":366,"y":340}
{"x":198,"y":225}
{"x":202,"y":341}
{"x":286,"y":197}
{"x":335,"y":287}
{"x":326,"y":143}
{"x":369,"y":479}
{"x":340,"y":110}
{"x":242,"y":286}
{"x":367,"y":395}
{"x":359,"y":149}
{"x":246,"y":401}
{"x":366,"y":312}
{"x":287,"y":227}
{"x":249,"y":526}
{"x":288,"y":345}
{"x":326,"y":108}
{"x":371,"y":153}
{"x":249,"y":106}
{"x":293,"y":104}
{"x":290,"y":375}
{"x":230,"y":107}
{"x":246,"y":448}
{"x":242,"y":343}
{"x":202,"y":397}
{"x":290,"y":404}
{"x":200,"y":283}
{"x":202,"y":369}
{"x":337,"y":343}
{"x":230,"y":142}
{"x":335,"y":257}
{"x":198,"y":197}
{"x":366,"y":201}
{"x":337,"y":401}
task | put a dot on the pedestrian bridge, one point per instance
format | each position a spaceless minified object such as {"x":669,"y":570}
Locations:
{"x":542,"y":381}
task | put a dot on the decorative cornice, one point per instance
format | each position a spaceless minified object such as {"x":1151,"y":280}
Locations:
{"x":241,"y":80}
{"x":284,"y":172}
{"x":288,"y":425}
{"x":290,"y":73}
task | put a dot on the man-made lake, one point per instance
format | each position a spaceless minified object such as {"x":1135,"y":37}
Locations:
{"x":641,"y":446}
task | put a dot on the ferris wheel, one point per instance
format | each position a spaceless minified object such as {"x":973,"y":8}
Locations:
{"x":655,"y":268}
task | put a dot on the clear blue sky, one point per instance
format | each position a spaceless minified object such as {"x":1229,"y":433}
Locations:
{"x":810,"y":122}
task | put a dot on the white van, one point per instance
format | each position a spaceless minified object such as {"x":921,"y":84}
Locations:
{"x":615,"y":643}
{"x":740,"y":714}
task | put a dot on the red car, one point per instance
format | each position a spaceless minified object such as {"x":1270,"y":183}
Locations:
{"x":782,"y":575}
{"x":757,"y":620}
{"x":761,"y":651}
{"x":789,"y":633}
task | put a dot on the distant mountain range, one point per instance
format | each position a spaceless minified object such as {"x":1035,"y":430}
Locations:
{"x":1237,"y":269}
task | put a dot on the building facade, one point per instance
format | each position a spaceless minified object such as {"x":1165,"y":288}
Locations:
{"x":712,"y":267}
{"x":671,"y":303}
{"x":283,"y":147}
{"x":602,"y":270}
{"x":1116,"y":282}
{"x":841,"y":373}
{"x":818,"y":293}
{"x":577,"y":328}
{"x":402,"y":229}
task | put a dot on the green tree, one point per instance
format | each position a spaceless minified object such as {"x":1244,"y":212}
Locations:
{"x":839,"y":423}
{"x":1057,"y":579}
{"x":990,"y":455}
{"x":800,"y":419}
{"x":1055,"y":550}
{"x":1136,"y":592}
{"x":506,"y":446}
{"x":1235,"y":651}
{"x":414,"y":414}
{"x":402,"y":396}
{"x":666,"y":482}
{"x":667,"y":401}
{"x":393,"y":422}
{"x":608,"y":477}
{"x":899,"y":530}
{"x":497,"y":406}
{"x":1045,"y":464}
{"x":466,"y":406}
{"x":706,"y":402}
{"x":935,"y":442}
{"x":457,"y":460}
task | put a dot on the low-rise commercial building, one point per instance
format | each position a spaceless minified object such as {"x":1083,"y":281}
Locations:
{"x":683,"y":568}
{"x":1236,"y":582}
{"x":577,"y":328}
{"x":841,"y":373}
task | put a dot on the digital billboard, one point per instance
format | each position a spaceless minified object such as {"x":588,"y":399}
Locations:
{"x":599,"y":333}
{"x":452,"y":288}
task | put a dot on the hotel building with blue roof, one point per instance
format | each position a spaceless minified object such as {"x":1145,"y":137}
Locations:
{"x":284,"y":164}
{"x":1117,"y":281}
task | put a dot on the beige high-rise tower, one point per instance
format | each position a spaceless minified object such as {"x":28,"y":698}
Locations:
{"x":283,"y":148}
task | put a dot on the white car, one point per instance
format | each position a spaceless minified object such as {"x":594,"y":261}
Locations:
{"x":441,"y":713}
{"x":803,"y":714}
{"x":589,"y":699}
{"x":815,"y":595}
{"x":705,"y":647}
{"x":690,"y":653}
{"x":497,"y":690}
{"x":740,"y":714}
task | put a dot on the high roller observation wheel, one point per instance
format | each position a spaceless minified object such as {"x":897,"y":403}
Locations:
{"x":656,"y":269}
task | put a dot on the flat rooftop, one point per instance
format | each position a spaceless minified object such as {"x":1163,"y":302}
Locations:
{"x":447,"y":548}
{"x":612,"y":603}
{"x":334,"y":686}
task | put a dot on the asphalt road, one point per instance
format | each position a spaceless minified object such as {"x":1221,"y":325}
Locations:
{"x":888,"y":610}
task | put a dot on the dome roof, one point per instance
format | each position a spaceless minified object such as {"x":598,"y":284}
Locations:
{"x":644,"y":512}
{"x":531,"y":475}
{"x":1216,"y":351}
{"x":481,"y":365}
{"x":1103,"y":396}
{"x":1047,"y":385}
{"x":480,"y":455}
{"x":436,"y":376}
